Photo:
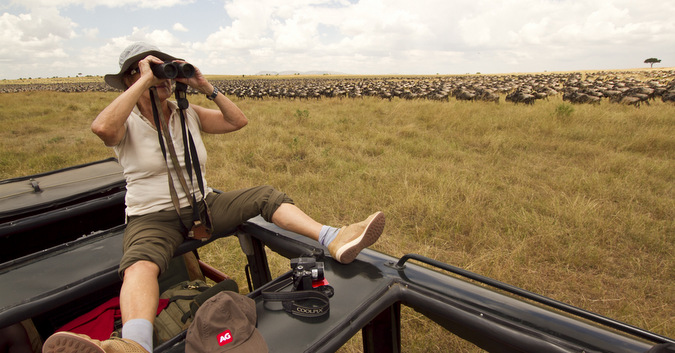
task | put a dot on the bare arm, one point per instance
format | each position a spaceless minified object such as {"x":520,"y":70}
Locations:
{"x":228,"y":117}
{"x":109,"y":124}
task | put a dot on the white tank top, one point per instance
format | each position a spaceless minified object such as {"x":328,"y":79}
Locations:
{"x":145,"y":171}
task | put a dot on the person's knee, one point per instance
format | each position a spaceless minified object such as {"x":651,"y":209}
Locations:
{"x":274,"y":199}
{"x":142,"y":268}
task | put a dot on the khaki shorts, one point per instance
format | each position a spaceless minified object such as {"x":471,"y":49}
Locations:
{"x":155,"y":237}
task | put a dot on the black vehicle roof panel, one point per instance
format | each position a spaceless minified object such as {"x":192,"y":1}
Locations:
{"x":18,"y":195}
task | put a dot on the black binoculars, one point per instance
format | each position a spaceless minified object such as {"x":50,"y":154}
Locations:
{"x":173,"y":70}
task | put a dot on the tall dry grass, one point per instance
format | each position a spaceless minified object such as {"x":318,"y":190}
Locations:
{"x":573,"y":202}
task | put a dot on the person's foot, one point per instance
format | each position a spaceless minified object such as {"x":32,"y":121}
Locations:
{"x":68,"y":342}
{"x":121,"y":345}
{"x":353,"y":238}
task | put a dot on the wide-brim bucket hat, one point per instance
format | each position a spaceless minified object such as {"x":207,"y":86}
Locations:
{"x":130,"y":56}
{"x":225,"y":323}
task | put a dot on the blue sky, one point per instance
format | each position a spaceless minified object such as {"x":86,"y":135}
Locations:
{"x":47,"y":38}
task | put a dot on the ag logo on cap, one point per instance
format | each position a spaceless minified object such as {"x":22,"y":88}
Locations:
{"x":224,"y":338}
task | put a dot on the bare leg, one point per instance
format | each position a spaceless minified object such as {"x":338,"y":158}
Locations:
{"x":14,"y":339}
{"x":139,"y":295}
{"x":290,"y":217}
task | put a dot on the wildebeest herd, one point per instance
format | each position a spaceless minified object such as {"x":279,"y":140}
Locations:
{"x":640,"y":87}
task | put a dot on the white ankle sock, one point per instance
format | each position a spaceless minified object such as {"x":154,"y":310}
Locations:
{"x":139,"y":331}
{"x":327,"y":235}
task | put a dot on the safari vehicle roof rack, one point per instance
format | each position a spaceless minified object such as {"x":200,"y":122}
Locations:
{"x":558,"y":305}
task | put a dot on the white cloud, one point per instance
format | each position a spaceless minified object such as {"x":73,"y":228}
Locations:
{"x":36,"y":26}
{"x":295,"y":27}
{"x":178,"y":27}
{"x":163,"y":39}
{"x":34,"y":40}
{"x":89,"y":4}
{"x":383,"y":35}
{"x":90,"y":33}
{"x":364,"y":36}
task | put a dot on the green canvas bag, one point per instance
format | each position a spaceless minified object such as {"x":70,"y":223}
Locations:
{"x":184,"y":300}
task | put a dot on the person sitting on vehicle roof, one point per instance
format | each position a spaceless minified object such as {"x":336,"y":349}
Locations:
{"x":154,"y":230}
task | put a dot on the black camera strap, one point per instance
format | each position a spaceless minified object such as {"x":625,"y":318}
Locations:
{"x":160,"y":124}
{"x":190,"y":152}
{"x":304,"y":303}
{"x":191,"y":157}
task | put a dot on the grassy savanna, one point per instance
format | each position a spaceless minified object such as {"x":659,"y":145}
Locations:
{"x":573,"y":202}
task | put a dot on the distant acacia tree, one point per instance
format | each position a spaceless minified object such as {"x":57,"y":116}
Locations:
{"x":652,"y":61}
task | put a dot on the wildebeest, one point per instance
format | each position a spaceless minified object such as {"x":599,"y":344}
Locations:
{"x":522,"y":88}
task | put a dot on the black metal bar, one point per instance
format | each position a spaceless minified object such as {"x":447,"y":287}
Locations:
{"x":383,"y":333}
{"x":258,"y":265}
{"x":623,"y":327}
{"x":283,"y":244}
